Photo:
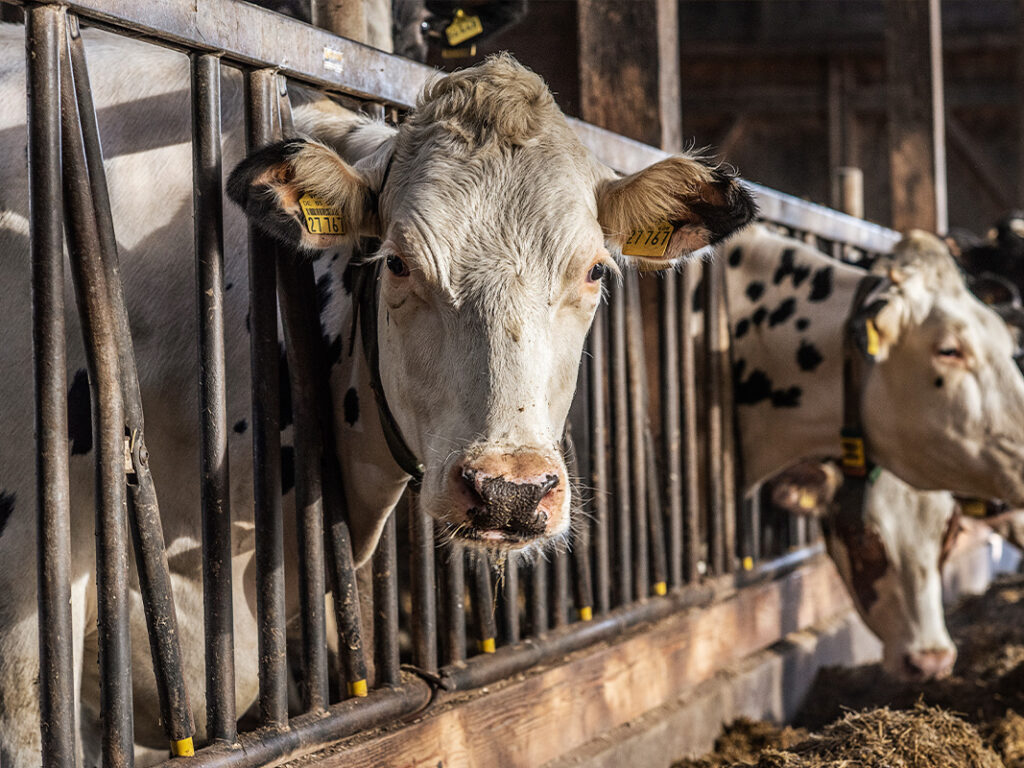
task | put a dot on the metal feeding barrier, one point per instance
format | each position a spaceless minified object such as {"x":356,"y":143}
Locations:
{"x":653,"y":535}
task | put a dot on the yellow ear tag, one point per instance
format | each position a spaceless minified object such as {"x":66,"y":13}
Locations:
{"x":465,"y":52}
{"x":649,"y":241}
{"x":463,"y":28}
{"x":807,"y":501}
{"x":874,"y":344}
{"x":321,"y":218}
{"x":974,"y":508}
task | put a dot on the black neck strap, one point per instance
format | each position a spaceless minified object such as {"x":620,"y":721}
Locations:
{"x":860,"y":345}
{"x":367,"y":300}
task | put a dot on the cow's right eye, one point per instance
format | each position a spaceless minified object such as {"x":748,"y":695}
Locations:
{"x":397,"y":266}
{"x":597,"y":272}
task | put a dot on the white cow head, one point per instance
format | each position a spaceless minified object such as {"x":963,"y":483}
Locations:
{"x":889,"y":553}
{"x":498,"y":228}
{"x":890,"y":559}
{"x":944,"y":405}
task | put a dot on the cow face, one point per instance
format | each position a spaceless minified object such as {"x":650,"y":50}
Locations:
{"x":890,"y":559}
{"x":498,"y":230}
{"x":944,"y":405}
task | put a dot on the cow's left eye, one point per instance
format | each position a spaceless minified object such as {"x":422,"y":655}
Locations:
{"x":397,"y":266}
{"x":597,"y":272}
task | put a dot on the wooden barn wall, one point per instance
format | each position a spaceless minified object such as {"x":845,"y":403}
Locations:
{"x":765,"y":82}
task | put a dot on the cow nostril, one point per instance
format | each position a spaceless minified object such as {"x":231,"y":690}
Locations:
{"x":549,"y":484}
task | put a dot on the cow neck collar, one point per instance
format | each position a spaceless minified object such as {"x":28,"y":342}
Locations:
{"x":860,"y":345}
{"x":367,"y":290}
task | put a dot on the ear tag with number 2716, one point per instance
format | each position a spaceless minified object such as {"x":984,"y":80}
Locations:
{"x":321,"y":218}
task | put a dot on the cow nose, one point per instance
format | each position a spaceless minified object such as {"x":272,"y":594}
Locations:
{"x":508,"y":503}
{"x":930,"y":664}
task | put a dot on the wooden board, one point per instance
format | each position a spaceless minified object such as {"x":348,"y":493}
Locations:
{"x":546,"y":713}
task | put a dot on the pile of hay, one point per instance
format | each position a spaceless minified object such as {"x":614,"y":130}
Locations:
{"x":744,"y":740}
{"x":865,"y":719}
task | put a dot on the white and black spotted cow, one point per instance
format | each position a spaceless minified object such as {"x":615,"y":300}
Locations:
{"x":498,"y":228}
{"x":933,"y":405}
{"x":943,"y":402}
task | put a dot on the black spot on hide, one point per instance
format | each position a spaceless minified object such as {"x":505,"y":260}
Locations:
{"x":757,"y":388}
{"x":351,"y":406}
{"x":323,"y":292}
{"x":80,"y":414}
{"x":782,"y":313}
{"x":6,"y":509}
{"x":939,"y":382}
{"x":742,"y":327}
{"x":240,"y":426}
{"x":229,"y":286}
{"x":285,"y":390}
{"x":803,"y":324}
{"x":821,"y":284}
{"x":808,"y":357}
{"x":755,"y":290}
{"x":785,"y":268}
{"x":759,"y":315}
{"x":735,"y":257}
{"x":287,"y":469}
{"x":334,"y":351}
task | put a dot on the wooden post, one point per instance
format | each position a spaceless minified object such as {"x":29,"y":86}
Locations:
{"x":368,"y":23}
{"x":917,"y":152}
{"x":848,"y":184}
{"x":629,"y":69}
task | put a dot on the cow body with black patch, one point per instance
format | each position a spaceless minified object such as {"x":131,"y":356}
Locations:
{"x":942,"y":402}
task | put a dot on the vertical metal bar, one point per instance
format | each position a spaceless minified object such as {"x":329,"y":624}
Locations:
{"x":455,"y":603}
{"x":539,"y":597}
{"x":599,"y":458}
{"x":730,"y":477}
{"x":637,"y":421}
{"x":143,"y":508}
{"x":213,"y":451}
{"x":620,"y":447}
{"x":583,"y":590}
{"x":99,"y":331}
{"x":510,"y":602}
{"x":560,"y":587}
{"x":261,"y":95}
{"x":44,"y":37}
{"x":297,"y":297}
{"x":424,"y":605}
{"x":483,"y":603}
{"x":385,"y":605}
{"x":714,"y":482}
{"x":659,"y":567}
{"x":690,"y":457}
{"x":671,"y":429}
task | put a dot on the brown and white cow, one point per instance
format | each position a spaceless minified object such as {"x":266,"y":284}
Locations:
{"x":889,"y":554}
{"x":498,"y":232}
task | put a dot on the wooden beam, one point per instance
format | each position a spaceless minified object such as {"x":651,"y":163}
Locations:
{"x":916,"y":138}
{"x":629,"y":68}
{"x":988,"y":175}
{"x":525,"y":722}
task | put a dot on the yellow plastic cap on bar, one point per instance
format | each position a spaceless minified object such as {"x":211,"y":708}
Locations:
{"x":357,"y":688}
{"x":486,"y":646}
{"x":586,"y":613}
{"x":748,"y":563}
{"x":661,"y":588}
{"x":183,"y":748}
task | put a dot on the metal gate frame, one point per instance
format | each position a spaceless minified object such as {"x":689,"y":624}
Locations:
{"x":651,"y":546}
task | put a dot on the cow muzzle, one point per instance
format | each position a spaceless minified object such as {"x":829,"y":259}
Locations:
{"x":509,"y":499}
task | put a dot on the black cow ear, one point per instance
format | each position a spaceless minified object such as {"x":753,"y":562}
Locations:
{"x":303,"y":194}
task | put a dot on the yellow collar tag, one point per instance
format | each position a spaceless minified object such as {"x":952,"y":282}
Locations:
{"x":321,"y":218}
{"x":874,"y":344}
{"x":463,"y":28}
{"x":974,"y":508}
{"x":649,"y":241}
